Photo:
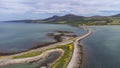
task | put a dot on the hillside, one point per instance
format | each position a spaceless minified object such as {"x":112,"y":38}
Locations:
{"x":75,"y":20}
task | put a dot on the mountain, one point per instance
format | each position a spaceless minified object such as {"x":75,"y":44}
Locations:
{"x":20,"y":21}
{"x":117,"y":15}
{"x":52,"y":19}
{"x":59,"y":19}
{"x":74,"y":20}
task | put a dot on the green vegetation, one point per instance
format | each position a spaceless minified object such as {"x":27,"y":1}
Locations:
{"x":75,"y":20}
{"x":61,"y":63}
{"x":64,"y":60}
{"x":89,"y":21}
{"x":1,"y":56}
{"x":31,"y":54}
{"x":94,"y":21}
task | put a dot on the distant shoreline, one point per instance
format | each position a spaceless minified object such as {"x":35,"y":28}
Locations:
{"x":75,"y":20}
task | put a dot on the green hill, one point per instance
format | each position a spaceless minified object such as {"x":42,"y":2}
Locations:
{"x":74,"y":20}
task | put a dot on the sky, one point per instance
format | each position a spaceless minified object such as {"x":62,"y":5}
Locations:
{"x":40,"y":9}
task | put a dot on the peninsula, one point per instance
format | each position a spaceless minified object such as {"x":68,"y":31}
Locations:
{"x":67,"y":51}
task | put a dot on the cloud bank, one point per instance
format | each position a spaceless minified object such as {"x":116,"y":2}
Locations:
{"x":80,"y":7}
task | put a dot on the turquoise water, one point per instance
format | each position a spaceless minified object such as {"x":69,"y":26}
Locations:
{"x":16,"y":37}
{"x":103,"y":47}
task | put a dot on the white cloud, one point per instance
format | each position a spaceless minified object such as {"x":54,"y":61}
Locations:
{"x":53,"y":8}
{"x":14,"y":6}
{"x":82,"y":7}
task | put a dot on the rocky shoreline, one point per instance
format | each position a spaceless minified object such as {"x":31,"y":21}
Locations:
{"x":58,"y":36}
{"x":31,"y":59}
{"x":77,"y":57}
{"x":65,"y":38}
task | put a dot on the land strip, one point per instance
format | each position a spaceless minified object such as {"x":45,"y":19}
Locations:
{"x":76,"y":57}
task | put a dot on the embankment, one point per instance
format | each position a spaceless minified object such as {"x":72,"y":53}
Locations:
{"x":76,"y":57}
{"x":31,"y":59}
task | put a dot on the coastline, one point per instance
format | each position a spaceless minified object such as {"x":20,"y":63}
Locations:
{"x":6,"y":60}
{"x":31,"y":59}
{"x":77,"y":49}
{"x":77,"y":54}
{"x":59,"y":37}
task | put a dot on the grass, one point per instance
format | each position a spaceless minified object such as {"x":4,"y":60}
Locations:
{"x":1,"y":56}
{"x":61,"y":63}
{"x":64,"y":60}
{"x":26,"y":55}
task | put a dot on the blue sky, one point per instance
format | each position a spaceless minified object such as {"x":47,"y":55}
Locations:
{"x":39,"y":9}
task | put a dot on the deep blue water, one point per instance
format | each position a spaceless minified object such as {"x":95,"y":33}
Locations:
{"x":15,"y":37}
{"x":103,"y":47}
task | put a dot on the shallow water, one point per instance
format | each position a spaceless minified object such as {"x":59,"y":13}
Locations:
{"x":16,"y":37}
{"x":103,"y":47}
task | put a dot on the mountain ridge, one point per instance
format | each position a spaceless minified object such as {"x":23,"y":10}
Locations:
{"x":75,"y":20}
